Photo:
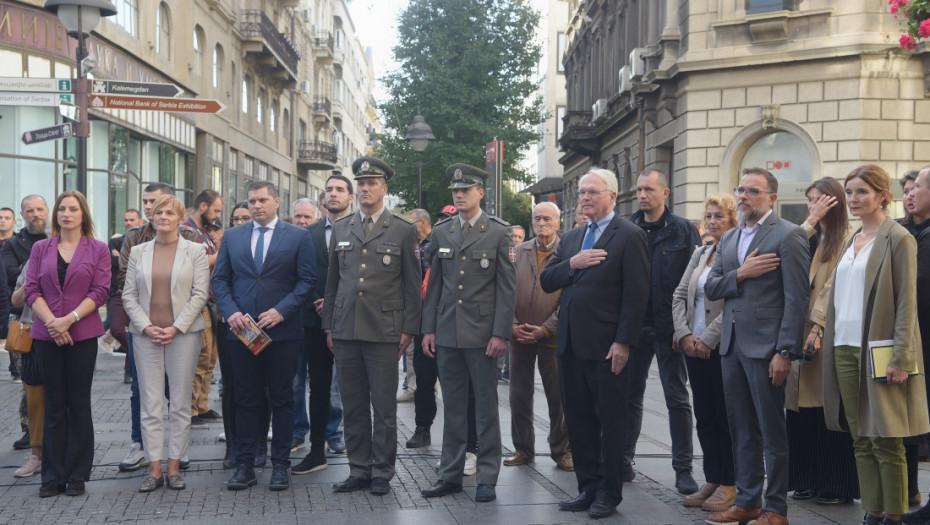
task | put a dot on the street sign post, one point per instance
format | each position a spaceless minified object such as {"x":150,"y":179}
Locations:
{"x":62,"y":131}
{"x":180,"y":105}
{"x":33,"y":99}
{"x":141,"y":89}
{"x":41,"y":85}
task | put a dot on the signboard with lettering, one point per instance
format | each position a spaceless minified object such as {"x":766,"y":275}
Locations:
{"x":41,"y":85}
{"x":141,"y":89}
{"x":62,"y":131}
{"x":20,"y":98}
{"x":181,"y":105}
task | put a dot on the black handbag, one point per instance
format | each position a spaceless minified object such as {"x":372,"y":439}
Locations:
{"x":29,"y":372}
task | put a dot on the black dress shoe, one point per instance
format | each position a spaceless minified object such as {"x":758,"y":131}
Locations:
{"x":22,"y":443}
{"x":229,"y":460}
{"x":441,"y":488}
{"x":242,"y":479}
{"x":579,"y":503}
{"x":871,"y":520}
{"x":279,"y":478}
{"x":601,"y":509}
{"x":261,"y":455}
{"x":351,"y":484}
{"x":919,"y":516}
{"x":485,"y":493}
{"x":380,"y":486}
{"x":75,"y":488}
{"x":421,"y":438}
{"x":832,"y":499}
{"x":48,"y":489}
{"x":312,"y":462}
{"x":802,"y":495}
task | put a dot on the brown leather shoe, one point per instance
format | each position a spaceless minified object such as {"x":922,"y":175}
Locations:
{"x":518,"y":458}
{"x":566,"y":462}
{"x":770,"y":518}
{"x":721,"y":499}
{"x":698,"y":498}
{"x":733,"y":516}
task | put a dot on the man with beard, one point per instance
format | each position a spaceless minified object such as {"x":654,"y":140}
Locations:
{"x":315,"y":359}
{"x":761,"y":273}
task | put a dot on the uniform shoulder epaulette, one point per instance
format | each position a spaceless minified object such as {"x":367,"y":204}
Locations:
{"x":344,"y":217}
{"x":443,"y":221}
{"x":403,"y":218}
{"x":498,"y":220}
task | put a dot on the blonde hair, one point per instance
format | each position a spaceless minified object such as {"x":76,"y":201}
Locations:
{"x":168,"y":201}
{"x":725,"y":202}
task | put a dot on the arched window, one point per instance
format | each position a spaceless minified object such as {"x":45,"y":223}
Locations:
{"x":272,"y":117}
{"x":218,"y":66}
{"x":198,"y":50}
{"x":163,"y":31}
{"x":258,"y":105}
{"x":245,"y":94}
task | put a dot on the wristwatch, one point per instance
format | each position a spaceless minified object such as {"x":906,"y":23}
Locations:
{"x":786,"y":354}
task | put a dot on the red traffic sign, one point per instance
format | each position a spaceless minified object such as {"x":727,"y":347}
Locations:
{"x":180,"y":105}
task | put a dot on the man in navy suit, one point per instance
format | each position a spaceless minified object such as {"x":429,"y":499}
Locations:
{"x":602,"y":269}
{"x":266,"y":268}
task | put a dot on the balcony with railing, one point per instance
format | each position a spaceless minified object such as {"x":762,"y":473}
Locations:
{"x":323,"y":46}
{"x":273,"y":49}
{"x":316,"y":155}
{"x":579,"y":134}
{"x":322,"y":109}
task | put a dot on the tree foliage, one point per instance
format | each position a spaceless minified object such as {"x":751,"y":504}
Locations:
{"x":469,"y":68}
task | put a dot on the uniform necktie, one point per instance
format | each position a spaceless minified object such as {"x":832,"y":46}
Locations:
{"x":260,"y":248}
{"x":367,"y":224}
{"x":588,"y":242}
{"x":465,"y":229}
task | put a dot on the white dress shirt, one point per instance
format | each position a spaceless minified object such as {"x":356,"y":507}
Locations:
{"x":747,"y":235}
{"x":849,"y":293}
{"x":267,"y":238}
{"x":700,"y":317}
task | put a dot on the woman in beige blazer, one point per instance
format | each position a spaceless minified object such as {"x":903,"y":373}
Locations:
{"x":167,"y":285}
{"x":697,"y":334}
{"x":821,"y":463}
{"x":877,"y":276}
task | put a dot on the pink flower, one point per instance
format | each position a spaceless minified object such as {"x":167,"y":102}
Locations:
{"x":907,"y":42}
{"x":896,"y":5}
{"x":924,"y":30}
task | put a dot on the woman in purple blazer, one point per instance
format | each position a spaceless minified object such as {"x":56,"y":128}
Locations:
{"x":67,"y":281}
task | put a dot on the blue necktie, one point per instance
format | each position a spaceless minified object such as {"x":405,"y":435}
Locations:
{"x":260,"y":248}
{"x":588,"y":242}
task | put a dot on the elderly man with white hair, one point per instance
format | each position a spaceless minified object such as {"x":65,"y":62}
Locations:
{"x":534,"y":338}
{"x":304,"y":212}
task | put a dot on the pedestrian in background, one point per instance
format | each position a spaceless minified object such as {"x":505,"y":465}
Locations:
{"x":167,"y":285}
{"x":35,"y":392}
{"x":874,"y":299}
{"x":821,"y":463}
{"x":698,"y":324}
{"x":68,"y":281}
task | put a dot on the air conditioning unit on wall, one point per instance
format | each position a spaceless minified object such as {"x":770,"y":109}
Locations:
{"x":599,"y":109}
{"x":626,"y":80}
{"x":305,"y":87}
{"x":637,"y":63}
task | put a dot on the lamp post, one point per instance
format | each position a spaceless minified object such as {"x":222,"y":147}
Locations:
{"x":419,"y":135}
{"x":80,"y":17}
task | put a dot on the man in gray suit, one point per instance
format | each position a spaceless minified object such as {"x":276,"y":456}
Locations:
{"x":467,"y":320}
{"x":371,"y":311}
{"x":761,"y":272}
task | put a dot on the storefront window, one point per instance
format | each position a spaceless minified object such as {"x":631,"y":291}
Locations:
{"x":783,"y":154}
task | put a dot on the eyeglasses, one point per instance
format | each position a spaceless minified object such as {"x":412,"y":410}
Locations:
{"x":751,"y":192}
{"x":241,"y":219}
{"x":593,"y":193}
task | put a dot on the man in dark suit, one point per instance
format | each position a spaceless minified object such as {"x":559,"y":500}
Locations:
{"x":603,"y":272}
{"x":316,"y":355}
{"x":267,"y":269}
{"x":761,"y":272}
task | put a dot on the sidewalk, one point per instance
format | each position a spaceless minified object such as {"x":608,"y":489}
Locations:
{"x":525,"y":495}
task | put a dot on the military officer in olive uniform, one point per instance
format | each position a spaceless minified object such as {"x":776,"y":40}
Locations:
{"x":371,"y":311}
{"x":467,"y":320}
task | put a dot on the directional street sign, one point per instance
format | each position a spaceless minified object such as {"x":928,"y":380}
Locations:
{"x":62,"y":131}
{"x":142,"y":89}
{"x":33,"y":99}
{"x":181,"y":105}
{"x":43,"y":85}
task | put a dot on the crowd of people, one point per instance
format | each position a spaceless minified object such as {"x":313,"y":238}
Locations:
{"x":804,"y":346}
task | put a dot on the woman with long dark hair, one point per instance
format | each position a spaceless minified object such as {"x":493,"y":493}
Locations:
{"x":821,"y":462}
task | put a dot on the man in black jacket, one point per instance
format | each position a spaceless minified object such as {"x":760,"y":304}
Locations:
{"x":16,"y":250}
{"x":672,"y":239}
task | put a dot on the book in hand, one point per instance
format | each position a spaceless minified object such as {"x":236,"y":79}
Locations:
{"x":880,"y":354}
{"x":253,"y":336}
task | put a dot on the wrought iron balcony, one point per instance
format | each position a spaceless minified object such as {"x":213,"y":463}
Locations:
{"x":579,"y":134}
{"x":273,"y":49}
{"x":323,"y":46}
{"x":316,"y":155}
{"x":322,"y":108}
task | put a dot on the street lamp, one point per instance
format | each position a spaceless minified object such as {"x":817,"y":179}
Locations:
{"x":80,"y":17}
{"x":419,"y":135}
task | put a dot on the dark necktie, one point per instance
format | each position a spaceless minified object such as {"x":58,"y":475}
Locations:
{"x":367,"y":224}
{"x":465,"y":229}
{"x":260,"y":248}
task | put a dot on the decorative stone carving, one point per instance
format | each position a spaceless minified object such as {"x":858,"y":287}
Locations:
{"x":770,"y":116}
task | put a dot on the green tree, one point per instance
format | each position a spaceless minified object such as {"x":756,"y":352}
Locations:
{"x":469,"y":68}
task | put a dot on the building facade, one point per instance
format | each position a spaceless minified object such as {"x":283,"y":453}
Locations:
{"x":272,"y":63}
{"x":804,"y":88}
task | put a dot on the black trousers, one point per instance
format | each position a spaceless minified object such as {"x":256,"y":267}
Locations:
{"x":424,"y":397}
{"x":272,"y":371}
{"x":710,"y":412}
{"x":595,"y":404}
{"x":320,"y":372}
{"x":820,"y":459}
{"x":68,"y":438}
{"x":223,"y":350}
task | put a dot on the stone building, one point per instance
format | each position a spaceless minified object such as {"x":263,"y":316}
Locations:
{"x":276,"y":65}
{"x":701,"y":89}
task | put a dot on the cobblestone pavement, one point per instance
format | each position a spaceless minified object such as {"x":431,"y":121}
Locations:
{"x":525,"y":495}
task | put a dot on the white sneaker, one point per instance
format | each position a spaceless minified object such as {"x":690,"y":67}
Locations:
{"x":29,"y":468}
{"x":406,"y":397}
{"x":135,"y":459}
{"x":471,"y":464}
{"x":222,"y":437}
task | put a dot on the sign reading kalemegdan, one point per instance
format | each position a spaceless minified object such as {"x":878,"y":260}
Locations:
{"x":182,"y":105}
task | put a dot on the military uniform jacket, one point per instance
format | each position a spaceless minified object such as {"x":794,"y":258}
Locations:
{"x":373,"y":281}
{"x":471,"y":293}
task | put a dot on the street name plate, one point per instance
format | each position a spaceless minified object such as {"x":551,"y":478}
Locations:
{"x":139,"y":89}
{"x":61,"y":131}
